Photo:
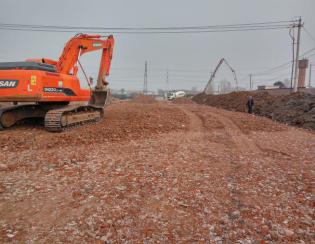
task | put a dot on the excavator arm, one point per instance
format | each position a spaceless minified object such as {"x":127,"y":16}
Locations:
{"x":81,"y":44}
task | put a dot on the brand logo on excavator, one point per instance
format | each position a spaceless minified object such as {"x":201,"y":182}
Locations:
{"x":8,"y":83}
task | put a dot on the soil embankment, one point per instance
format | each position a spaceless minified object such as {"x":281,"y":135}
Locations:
{"x":295,"y":109}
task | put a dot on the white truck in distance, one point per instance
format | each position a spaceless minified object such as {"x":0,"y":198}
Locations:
{"x":175,"y":94}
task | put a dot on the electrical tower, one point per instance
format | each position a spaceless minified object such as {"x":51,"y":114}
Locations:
{"x":250,"y":82}
{"x":167,"y":80}
{"x":145,"y":81}
{"x":310,"y":76}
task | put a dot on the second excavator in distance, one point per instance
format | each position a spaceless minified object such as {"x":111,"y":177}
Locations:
{"x":46,"y":87}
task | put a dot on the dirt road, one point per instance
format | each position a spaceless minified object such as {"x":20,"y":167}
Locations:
{"x":159,"y":173}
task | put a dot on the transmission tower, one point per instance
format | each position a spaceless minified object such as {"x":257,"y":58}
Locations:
{"x":145,"y":82}
{"x":167,"y":80}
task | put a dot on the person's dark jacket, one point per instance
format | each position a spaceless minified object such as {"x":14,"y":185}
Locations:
{"x":250,"y":103}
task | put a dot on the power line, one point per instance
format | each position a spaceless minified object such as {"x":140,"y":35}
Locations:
{"x":273,"y":78}
{"x":262,"y":24}
{"x":309,"y":34}
{"x":271,"y":25}
{"x":151,"y":32}
{"x":281,"y":66}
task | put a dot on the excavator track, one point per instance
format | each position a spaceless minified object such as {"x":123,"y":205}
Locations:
{"x":58,"y":120}
{"x":11,"y":115}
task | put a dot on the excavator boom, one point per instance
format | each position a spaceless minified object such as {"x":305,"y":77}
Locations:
{"x":81,"y":44}
{"x":207,"y":89}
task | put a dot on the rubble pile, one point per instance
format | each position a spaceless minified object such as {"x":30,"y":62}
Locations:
{"x":123,"y":121}
{"x":296,"y":109}
{"x":159,"y":173}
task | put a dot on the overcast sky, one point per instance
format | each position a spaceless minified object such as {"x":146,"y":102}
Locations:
{"x":189,"y":57}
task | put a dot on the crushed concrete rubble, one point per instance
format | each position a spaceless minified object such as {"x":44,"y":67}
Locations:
{"x":159,"y":172}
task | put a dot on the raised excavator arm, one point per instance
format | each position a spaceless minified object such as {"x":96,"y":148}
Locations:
{"x":81,"y":44}
{"x":76,"y":47}
{"x":222,"y":60}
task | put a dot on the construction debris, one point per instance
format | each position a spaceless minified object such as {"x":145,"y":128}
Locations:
{"x":159,"y":173}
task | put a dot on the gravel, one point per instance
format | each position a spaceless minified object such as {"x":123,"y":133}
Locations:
{"x":159,"y":173}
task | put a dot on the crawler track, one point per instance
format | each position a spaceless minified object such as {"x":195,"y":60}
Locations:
{"x":13,"y":114}
{"x":58,"y":120}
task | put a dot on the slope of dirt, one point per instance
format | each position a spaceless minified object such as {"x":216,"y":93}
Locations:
{"x":123,"y":121}
{"x":179,"y":173}
{"x":296,"y":109}
{"x":143,"y":99}
{"x":182,"y":100}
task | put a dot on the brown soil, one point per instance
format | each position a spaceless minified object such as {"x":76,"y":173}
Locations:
{"x":123,"y":121}
{"x":159,"y":173}
{"x":182,"y":100}
{"x":143,"y":99}
{"x":297,"y":109}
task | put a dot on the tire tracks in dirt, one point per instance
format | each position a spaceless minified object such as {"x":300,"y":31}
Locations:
{"x":241,"y":146}
{"x":243,"y":143}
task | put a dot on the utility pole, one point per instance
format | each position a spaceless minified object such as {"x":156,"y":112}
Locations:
{"x":145,"y":82}
{"x":291,"y":33}
{"x":250,"y":82}
{"x":296,"y":71}
{"x":310,"y":76}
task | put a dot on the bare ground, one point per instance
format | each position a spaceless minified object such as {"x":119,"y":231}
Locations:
{"x":159,"y":173}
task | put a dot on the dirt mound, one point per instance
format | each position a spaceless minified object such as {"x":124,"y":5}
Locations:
{"x":183,"y":100}
{"x":294,"y":109}
{"x":144,"y":99}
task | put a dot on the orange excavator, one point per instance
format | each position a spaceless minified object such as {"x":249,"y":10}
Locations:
{"x":43,"y":88}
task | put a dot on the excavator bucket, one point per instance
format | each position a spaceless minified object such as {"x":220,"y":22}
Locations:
{"x":99,"y":98}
